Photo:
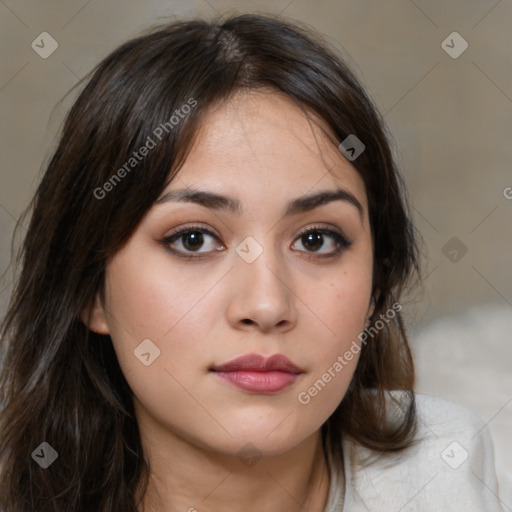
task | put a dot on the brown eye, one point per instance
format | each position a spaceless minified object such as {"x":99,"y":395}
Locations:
{"x":189,"y":241}
{"x":193,"y":240}
{"x":315,"y":239}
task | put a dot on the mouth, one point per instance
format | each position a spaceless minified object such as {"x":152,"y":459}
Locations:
{"x":257,"y":374}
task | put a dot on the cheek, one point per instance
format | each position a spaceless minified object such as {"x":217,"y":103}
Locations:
{"x":335,"y":363}
{"x":149,"y":299}
{"x":342,"y":304}
{"x":149,"y":302}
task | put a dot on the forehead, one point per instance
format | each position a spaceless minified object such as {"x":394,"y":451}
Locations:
{"x":259,"y":143}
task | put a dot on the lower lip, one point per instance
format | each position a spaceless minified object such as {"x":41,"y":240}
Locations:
{"x":260,"y":382}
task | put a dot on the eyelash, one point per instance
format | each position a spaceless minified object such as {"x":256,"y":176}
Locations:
{"x":341,"y":241}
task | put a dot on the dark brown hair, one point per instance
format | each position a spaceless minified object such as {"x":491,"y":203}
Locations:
{"x":60,"y":382}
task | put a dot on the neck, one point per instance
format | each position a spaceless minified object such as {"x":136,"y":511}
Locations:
{"x":185,"y":477}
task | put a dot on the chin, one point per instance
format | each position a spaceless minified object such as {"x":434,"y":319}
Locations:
{"x":269,"y":440}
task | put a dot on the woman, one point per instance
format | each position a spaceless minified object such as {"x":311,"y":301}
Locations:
{"x":208,"y":312}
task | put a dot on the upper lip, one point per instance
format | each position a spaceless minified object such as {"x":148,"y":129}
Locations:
{"x":259,"y":363}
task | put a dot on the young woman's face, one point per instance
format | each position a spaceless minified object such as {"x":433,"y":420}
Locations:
{"x":244,"y":281}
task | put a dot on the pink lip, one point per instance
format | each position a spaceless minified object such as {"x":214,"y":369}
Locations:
{"x":258,"y":374}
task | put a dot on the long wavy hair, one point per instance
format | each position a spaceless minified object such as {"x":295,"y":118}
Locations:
{"x":60,"y":382}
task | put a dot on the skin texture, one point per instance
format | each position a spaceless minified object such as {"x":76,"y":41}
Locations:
{"x":260,"y":149}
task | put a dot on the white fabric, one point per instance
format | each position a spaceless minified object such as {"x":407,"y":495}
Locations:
{"x":432,"y":476}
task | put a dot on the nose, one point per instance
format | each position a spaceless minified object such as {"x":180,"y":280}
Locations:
{"x":261,"y":295}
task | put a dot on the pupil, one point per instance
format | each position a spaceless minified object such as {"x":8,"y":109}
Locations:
{"x":314,"y":240}
{"x":193,"y":240}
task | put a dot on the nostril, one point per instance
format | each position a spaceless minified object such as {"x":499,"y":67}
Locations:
{"x":247,"y":321}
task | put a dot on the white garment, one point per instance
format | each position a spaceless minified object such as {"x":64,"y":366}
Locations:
{"x":450,"y":469}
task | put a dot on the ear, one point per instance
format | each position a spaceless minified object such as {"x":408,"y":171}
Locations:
{"x":96,"y":318}
{"x":371,"y":309}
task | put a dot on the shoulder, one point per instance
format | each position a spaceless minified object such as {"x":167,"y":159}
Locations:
{"x":450,"y":467}
{"x":439,"y":419}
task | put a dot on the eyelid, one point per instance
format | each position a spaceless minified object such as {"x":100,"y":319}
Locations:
{"x":325,"y":228}
{"x":203,"y":228}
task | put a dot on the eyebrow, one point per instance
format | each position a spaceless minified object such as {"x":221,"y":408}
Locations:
{"x":301,"y":204}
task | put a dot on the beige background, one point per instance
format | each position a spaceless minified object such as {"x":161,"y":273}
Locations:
{"x":451,"y":120}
